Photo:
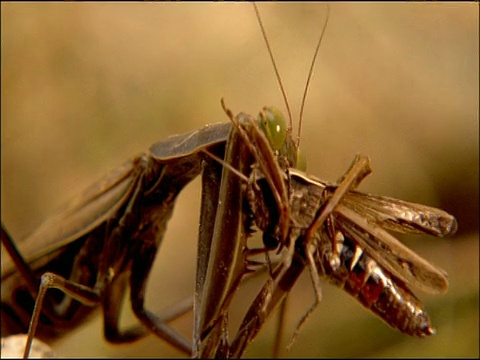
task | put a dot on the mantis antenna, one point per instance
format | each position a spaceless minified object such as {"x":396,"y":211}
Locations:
{"x":310,"y":72}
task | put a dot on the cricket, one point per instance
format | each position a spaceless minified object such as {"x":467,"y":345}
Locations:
{"x":100,"y":247}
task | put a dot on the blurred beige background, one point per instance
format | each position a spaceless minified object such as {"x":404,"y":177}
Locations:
{"x":87,"y":86}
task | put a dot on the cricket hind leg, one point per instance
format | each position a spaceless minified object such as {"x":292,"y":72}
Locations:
{"x":310,"y":251}
{"x":358,"y":170}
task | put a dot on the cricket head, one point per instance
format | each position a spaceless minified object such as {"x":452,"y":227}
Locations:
{"x":272,"y":122}
{"x":264,"y":211}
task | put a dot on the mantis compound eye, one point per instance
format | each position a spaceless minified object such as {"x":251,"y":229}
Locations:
{"x":272,"y":123}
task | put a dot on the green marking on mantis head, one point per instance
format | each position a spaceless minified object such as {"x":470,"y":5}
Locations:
{"x":273,"y":124}
{"x":301,"y":160}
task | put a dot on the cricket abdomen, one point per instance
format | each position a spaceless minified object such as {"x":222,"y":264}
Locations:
{"x":377,"y":290}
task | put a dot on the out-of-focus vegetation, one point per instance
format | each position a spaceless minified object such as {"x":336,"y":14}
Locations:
{"x":86,"y":86}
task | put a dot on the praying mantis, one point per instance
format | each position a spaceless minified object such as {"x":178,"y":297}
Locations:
{"x":123,"y":197}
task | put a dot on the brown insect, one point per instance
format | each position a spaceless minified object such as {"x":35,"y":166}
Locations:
{"x":329,"y":225}
{"x":340,"y":234}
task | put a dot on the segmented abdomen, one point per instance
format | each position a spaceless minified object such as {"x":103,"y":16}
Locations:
{"x":375,"y":288}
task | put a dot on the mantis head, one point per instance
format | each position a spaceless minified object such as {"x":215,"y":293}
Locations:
{"x":273,"y":124}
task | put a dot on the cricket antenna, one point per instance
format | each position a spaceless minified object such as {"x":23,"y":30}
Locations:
{"x":310,"y":72}
{"x":290,"y":126}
